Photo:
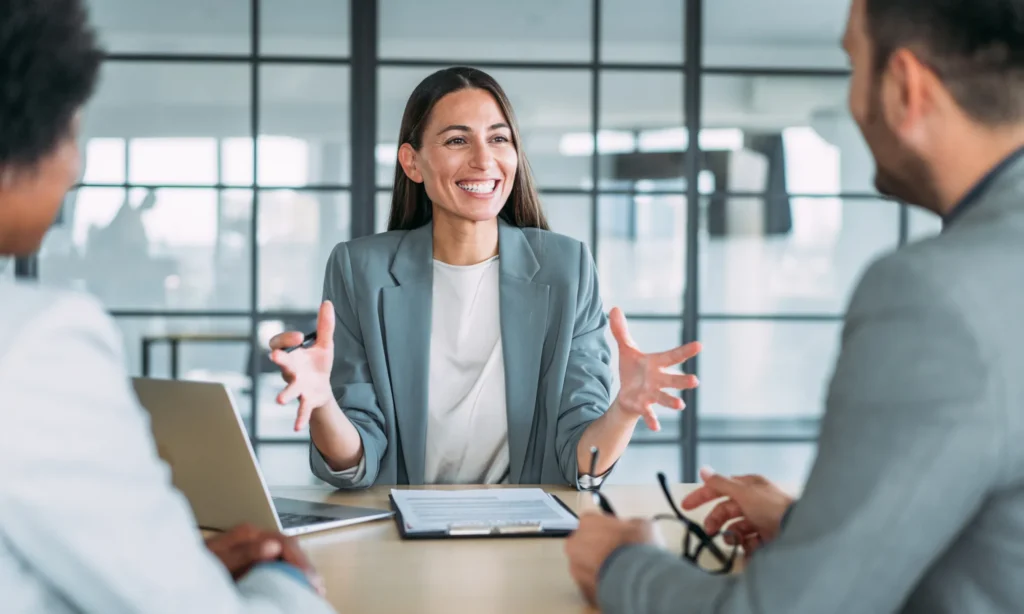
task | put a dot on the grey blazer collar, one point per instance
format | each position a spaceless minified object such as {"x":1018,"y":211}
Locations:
{"x":407,"y":319}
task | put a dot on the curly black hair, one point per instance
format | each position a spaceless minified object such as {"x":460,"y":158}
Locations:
{"x":49,"y":64}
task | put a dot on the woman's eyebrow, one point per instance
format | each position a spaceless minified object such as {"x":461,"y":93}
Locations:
{"x":461,"y":128}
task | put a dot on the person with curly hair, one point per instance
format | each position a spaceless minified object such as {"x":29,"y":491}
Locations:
{"x":89,"y":520}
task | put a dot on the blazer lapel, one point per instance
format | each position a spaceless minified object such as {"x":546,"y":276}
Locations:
{"x":524,"y":319}
{"x":407,"y":323}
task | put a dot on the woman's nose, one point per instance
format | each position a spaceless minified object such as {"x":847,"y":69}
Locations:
{"x":482,"y":157}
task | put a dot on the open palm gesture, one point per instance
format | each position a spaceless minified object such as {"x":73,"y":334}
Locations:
{"x":307,"y":370}
{"x":644,"y":378}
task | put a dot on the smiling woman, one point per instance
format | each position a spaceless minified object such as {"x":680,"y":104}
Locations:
{"x":470,"y":346}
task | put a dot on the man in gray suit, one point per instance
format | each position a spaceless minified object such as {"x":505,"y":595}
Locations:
{"x":916,"y":500}
{"x":89,"y":522}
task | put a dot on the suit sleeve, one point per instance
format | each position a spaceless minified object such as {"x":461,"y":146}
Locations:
{"x":586,"y":392}
{"x":350,"y":381}
{"x":911,"y":444}
{"x":85,"y":500}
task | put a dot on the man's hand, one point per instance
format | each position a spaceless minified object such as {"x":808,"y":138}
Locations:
{"x":245,"y":546}
{"x":595,"y":540}
{"x":753,"y":510}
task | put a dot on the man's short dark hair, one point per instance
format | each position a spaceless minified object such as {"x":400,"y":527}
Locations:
{"x":975,"y":46}
{"x":49,"y":61}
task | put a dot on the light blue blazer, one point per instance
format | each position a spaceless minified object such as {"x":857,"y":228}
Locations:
{"x":557,"y":361}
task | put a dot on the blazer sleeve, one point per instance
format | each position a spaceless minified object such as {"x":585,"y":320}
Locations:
{"x":907,"y":455}
{"x":586,"y":392}
{"x":350,"y":380}
{"x":86,"y":502}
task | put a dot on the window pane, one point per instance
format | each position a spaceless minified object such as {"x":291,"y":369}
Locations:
{"x":172,"y":161}
{"x":182,"y":26}
{"x":569,"y":215}
{"x":641,"y":464}
{"x":104,"y":161}
{"x":923,"y":224}
{"x":796,"y":135}
{"x":297,"y":231}
{"x":312,"y":28}
{"x":383,"y":204}
{"x":765,"y":378}
{"x":552,"y":106}
{"x":788,"y":465}
{"x":286,"y":465}
{"x":169,"y":248}
{"x":790,"y":255}
{"x":537,"y":30}
{"x":6,"y":268}
{"x":649,"y":31}
{"x":643,"y":134}
{"x":796,"y":33}
{"x":304,"y":126}
{"x":171,"y":116}
{"x":224,"y":361}
{"x":642,"y":252}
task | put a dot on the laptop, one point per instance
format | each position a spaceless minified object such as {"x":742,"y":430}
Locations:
{"x":199,"y":433}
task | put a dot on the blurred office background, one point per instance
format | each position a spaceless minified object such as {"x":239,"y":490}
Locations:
{"x":702,"y":149}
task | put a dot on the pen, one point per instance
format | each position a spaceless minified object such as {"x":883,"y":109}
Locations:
{"x":603,"y":503}
{"x":307,"y":341}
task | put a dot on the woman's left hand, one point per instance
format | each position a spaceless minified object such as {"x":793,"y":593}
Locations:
{"x":644,"y":378}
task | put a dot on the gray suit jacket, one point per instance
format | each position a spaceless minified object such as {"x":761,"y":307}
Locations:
{"x":553,"y":339}
{"x":89,"y":522}
{"x":916,"y":500}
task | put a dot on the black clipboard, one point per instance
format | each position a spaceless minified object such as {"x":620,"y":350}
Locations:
{"x":506,"y":531}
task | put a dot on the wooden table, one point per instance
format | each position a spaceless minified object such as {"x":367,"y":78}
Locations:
{"x":368,"y":568}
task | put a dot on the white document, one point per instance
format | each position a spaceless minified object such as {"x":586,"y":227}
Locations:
{"x":481,"y":512}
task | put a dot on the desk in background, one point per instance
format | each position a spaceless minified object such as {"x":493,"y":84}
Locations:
{"x":369,"y":569}
{"x":175,"y":341}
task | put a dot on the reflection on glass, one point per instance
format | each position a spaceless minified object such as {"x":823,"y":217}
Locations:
{"x":781,"y":34}
{"x":537,"y":30}
{"x":790,"y":255}
{"x":643,"y":136}
{"x":549,"y":104}
{"x":182,"y":26}
{"x":312,"y":28}
{"x":304,"y":126}
{"x":167,"y":248}
{"x":642,"y":252}
{"x":226,"y":362}
{"x":297,"y":231}
{"x":760,"y":378}
{"x":648,"y":31}
{"x":788,"y":465}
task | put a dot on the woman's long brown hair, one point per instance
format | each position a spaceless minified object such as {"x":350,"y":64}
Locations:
{"x":410,"y":206}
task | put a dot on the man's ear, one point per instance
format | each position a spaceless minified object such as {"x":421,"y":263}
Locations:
{"x":906,"y":91}
{"x":407,"y":158}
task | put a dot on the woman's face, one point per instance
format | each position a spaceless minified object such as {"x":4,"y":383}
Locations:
{"x":467,"y":161}
{"x":30,"y":198}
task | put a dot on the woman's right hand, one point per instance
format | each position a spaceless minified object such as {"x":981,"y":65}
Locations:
{"x":307,"y":370}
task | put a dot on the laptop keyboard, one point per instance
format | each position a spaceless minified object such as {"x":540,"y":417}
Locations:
{"x":290,"y":521}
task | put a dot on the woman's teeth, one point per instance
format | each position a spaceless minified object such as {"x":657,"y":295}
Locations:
{"x":478,"y":187}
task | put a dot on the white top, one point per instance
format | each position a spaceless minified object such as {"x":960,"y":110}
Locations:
{"x":467,"y":428}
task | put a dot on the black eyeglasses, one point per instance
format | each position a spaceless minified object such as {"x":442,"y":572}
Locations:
{"x":698,"y":546}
